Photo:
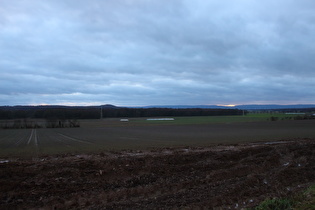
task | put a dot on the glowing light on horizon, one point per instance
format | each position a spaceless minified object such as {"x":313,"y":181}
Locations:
{"x":229,"y":105}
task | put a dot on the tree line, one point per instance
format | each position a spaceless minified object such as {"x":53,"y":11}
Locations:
{"x":171,"y":112}
{"x":34,"y":123}
{"x":96,"y":112}
{"x":50,"y":113}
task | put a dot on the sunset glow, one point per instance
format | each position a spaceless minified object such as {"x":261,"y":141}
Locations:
{"x":229,"y":105}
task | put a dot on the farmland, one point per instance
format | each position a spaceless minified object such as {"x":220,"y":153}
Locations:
{"x":138,"y":133}
{"x":190,"y":162}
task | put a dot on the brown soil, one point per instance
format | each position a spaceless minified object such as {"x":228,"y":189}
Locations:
{"x":226,"y":176}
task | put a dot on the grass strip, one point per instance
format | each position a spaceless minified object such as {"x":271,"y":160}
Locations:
{"x":303,"y":200}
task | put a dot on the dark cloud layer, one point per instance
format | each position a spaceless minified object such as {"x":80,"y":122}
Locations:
{"x":144,"y":52}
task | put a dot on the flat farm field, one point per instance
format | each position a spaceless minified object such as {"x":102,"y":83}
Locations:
{"x":185,"y":163}
{"x":113,"y":135}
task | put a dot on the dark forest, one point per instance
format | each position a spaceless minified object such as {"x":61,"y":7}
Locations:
{"x":106,"y":111}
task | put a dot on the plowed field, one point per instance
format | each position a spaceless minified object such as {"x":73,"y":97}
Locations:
{"x":235,"y":176}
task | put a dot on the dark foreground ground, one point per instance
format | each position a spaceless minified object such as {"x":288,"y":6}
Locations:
{"x":223,"y":176}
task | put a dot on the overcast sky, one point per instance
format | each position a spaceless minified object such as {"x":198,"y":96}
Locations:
{"x":145,"y":52}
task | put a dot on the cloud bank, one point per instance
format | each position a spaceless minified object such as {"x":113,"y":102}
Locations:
{"x":143,"y":52}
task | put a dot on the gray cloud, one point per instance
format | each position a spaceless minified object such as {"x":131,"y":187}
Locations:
{"x":152,"y":52}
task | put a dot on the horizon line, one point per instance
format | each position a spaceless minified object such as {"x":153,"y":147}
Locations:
{"x":220,"y":105}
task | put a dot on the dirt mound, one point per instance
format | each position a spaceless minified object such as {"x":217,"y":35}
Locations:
{"x":225,"y":176}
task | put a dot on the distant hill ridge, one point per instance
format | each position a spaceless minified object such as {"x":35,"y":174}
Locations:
{"x":243,"y":107}
{"x":110,"y":106}
{"x":30,"y":107}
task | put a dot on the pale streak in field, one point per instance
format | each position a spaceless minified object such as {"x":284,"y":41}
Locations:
{"x":36,"y":143}
{"x":59,"y":140}
{"x":148,"y":140}
{"x":29,"y":140}
{"x":19,"y":141}
{"x":73,"y":139}
{"x":130,"y":138}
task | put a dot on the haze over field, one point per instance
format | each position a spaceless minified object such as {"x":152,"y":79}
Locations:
{"x":144,"y":52}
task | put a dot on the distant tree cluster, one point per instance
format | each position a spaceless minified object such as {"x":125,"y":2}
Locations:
{"x":159,"y":112}
{"x":93,"y":112}
{"x":21,"y":117}
{"x":42,"y":112}
{"x":19,"y":124}
{"x":62,"y":123}
{"x":34,"y":123}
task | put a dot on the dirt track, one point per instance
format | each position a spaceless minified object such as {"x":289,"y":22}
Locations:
{"x":222,"y":176}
